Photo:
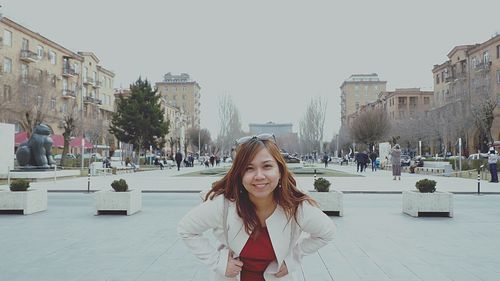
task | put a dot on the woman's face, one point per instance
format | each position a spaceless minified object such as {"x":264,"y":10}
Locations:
{"x":261,"y":176}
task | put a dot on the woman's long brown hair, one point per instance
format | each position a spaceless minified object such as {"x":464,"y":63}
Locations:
{"x":231,"y":186}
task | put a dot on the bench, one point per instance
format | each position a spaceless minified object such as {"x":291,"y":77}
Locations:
{"x":444,"y":168}
{"x":122,"y":170}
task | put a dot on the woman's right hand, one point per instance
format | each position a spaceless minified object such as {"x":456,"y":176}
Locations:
{"x":234,"y":266}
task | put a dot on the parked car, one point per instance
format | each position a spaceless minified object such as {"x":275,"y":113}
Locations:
{"x":290,"y":159}
{"x":58,"y":157}
{"x":475,"y":156}
{"x":95,"y":156}
{"x":405,"y":160}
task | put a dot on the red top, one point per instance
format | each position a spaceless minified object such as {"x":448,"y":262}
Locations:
{"x":257,"y":254}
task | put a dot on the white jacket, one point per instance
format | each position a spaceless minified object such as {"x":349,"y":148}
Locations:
{"x":286,"y":236}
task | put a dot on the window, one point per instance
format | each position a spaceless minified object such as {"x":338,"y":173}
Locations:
{"x":39,"y":101}
{"x":25,"y":44}
{"x":52,"y":103}
{"x":498,"y":51}
{"x":7,"y":94}
{"x":24,"y":71}
{"x":52,"y":57}
{"x":7,"y":38}
{"x":7,"y":65}
{"x":486,"y":57}
{"x":498,"y":76}
{"x":39,"y":51}
{"x":426,"y":100}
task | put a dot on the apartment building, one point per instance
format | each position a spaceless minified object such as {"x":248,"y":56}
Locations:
{"x":359,"y":90}
{"x":182,"y":92}
{"x":40,"y":76}
{"x":176,"y":136}
{"x":463,"y":84}
{"x":406,"y":103}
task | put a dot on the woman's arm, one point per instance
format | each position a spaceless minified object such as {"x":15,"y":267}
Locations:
{"x":204,"y":217}
{"x":319,"y":226}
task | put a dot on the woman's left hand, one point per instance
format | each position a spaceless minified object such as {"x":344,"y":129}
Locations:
{"x":283,"y":271}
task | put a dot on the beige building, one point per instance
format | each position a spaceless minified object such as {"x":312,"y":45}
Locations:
{"x":182,"y":92}
{"x":40,"y":75}
{"x":359,"y":90}
{"x":407,"y":103}
{"x":464,"y":83}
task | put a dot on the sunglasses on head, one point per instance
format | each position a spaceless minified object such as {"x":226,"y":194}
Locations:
{"x":261,"y":137}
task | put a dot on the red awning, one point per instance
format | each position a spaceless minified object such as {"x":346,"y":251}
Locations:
{"x":58,"y":140}
{"x":20,"y":138}
{"x":77,"y":142}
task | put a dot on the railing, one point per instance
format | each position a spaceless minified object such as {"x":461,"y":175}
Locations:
{"x":98,"y":84}
{"x":88,"y":99}
{"x":98,"y":101}
{"x":68,"y":93}
{"x":483,"y":66}
{"x":68,"y":71}
{"x":88,"y":80}
{"x":29,"y":56}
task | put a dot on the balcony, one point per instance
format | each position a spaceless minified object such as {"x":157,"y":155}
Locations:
{"x":66,"y":93}
{"x":483,"y":66}
{"x":68,"y":71}
{"x":98,"y":101}
{"x":88,"y":100}
{"x":97,"y":84}
{"x":88,"y":81}
{"x":28,"y":56}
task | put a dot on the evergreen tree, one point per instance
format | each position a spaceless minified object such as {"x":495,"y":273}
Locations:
{"x":139,"y":119}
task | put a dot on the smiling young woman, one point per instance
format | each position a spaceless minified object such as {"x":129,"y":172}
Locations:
{"x":257,"y":213}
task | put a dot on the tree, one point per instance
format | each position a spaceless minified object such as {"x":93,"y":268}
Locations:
{"x":35,"y":92}
{"x":370,"y":127}
{"x":204,"y":137}
{"x":139,"y":119}
{"x":69,"y":124}
{"x":229,"y":123}
{"x":312,"y":125}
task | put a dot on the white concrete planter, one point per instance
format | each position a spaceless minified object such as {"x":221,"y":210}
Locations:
{"x":417,"y":204}
{"x":110,"y":201}
{"x":331,"y":203}
{"x":24,"y":202}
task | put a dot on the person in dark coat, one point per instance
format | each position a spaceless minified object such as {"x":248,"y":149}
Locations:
{"x":373,"y":158}
{"x":178,"y":160}
{"x":325,"y":159}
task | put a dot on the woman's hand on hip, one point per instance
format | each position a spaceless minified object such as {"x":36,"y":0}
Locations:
{"x":233,"y":266}
{"x":283,"y":271}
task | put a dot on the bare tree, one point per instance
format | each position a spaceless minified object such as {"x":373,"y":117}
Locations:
{"x":195,"y":134}
{"x":370,"y":127}
{"x":311,"y":126}
{"x":229,"y":123}
{"x":36,"y":92}
{"x":482,"y":107}
{"x":69,"y":122}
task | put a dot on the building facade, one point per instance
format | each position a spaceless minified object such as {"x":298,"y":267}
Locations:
{"x":407,"y":103}
{"x":40,"y":76}
{"x":182,"y":92}
{"x":464,"y":87}
{"x":271,"y":127}
{"x":359,"y":90}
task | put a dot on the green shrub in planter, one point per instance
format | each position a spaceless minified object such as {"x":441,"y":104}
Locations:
{"x":19,"y":185}
{"x":119,"y":185}
{"x":321,"y":185}
{"x":426,"y":185}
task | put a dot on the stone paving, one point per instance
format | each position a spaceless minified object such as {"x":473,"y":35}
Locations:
{"x":374,"y":240}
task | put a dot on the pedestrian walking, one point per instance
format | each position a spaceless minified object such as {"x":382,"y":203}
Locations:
{"x":325,"y":159}
{"x":396,"y":162}
{"x":373,"y":158}
{"x":492,"y":162}
{"x":257,"y":215}
{"x":178,"y":159}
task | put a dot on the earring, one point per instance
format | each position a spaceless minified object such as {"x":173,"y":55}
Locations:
{"x":279,"y":184}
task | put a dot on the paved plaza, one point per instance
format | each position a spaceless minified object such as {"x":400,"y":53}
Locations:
{"x":374,"y":239}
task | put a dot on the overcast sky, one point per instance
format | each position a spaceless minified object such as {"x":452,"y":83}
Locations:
{"x":270,"y":56}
